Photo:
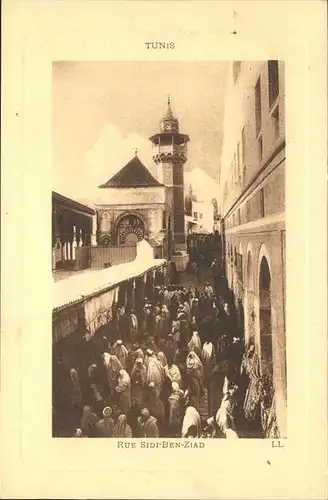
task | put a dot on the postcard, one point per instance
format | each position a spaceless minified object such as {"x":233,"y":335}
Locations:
{"x":163,"y":173}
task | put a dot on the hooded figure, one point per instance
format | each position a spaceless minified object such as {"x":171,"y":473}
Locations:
{"x":137,"y":354}
{"x":138,"y":381}
{"x":187,"y":310}
{"x":191,"y":419}
{"x":122,"y":429}
{"x":171,"y":348}
{"x":165,"y":322}
{"x":147,"y":425}
{"x":113,"y":368}
{"x":162,"y":358}
{"x":75,"y":390}
{"x":134,"y":326}
{"x":121,"y":352}
{"x":105,"y":426}
{"x":195,"y":378}
{"x":195,"y":344}
{"x":155,"y":405}
{"x":88,"y":420}
{"x":155,"y":372}
{"x":175,"y":410}
{"x":209,"y":359}
{"x":194,"y":366}
{"x":224,"y":415}
{"x":172,"y":372}
{"x":123,"y":389}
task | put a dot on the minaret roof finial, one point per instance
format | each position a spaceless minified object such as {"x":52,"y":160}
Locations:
{"x":168,"y":99}
{"x":136,"y":151}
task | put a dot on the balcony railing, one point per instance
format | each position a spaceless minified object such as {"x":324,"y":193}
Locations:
{"x":169,"y":148}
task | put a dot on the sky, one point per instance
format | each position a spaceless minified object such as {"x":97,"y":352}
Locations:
{"x":103,"y":111}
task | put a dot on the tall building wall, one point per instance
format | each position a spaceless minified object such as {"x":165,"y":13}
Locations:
{"x":252,"y":197}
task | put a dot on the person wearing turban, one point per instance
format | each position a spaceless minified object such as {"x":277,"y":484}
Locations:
{"x":105,"y":426}
{"x":148,"y":427}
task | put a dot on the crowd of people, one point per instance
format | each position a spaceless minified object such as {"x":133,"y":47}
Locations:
{"x":174,"y":369}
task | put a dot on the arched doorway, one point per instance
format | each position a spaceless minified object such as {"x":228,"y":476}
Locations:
{"x":130,"y":230}
{"x":265,"y":316}
{"x":105,"y":241}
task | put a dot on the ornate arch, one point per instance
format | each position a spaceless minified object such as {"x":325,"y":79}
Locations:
{"x":249,"y":262}
{"x":265,"y":319}
{"x":262,"y":253}
{"x":130,"y":213}
{"x":137,"y":226}
{"x":105,"y":240}
{"x":138,"y":232}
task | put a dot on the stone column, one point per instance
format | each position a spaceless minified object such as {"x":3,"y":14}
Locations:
{"x":74,"y":244}
{"x":133,"y":300}
{"x":94,"y":231}
{"x":81,"y":239}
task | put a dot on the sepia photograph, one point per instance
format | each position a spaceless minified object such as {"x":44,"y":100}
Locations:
{"x":168,"y":249}
{"x":161,"y":270}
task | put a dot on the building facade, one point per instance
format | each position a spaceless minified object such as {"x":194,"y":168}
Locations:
{"x":252,"y":199}
{"x":131,"y":207}
{"x":203,"y":214}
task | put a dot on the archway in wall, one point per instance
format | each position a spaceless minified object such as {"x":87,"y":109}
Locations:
{"x":105,"y":241}
{"x":240,"y":292}
{"x":265,"y":316}
{"x":227,"y":262}
{"x":105,"y":222}
{"x":130,"y":230}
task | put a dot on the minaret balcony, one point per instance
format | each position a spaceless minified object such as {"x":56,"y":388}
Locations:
{"x":169,"y":148}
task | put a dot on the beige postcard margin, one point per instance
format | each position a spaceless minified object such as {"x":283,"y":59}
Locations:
{"x":33,"y":464}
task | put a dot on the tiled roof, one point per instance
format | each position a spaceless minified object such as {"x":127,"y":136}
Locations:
{"x":134,"y":174}
{"x":59,"y":199}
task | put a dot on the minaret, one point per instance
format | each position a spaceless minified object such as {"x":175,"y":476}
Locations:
{"x":170,"y":155}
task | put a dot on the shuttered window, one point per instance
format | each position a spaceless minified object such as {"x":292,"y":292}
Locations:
{"x":273,"y":73}
{"x":258,"y":111}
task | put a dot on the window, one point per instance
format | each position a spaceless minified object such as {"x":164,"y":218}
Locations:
{"x":260,"y":147}
{"x":243,"y":150}
{"x":195,"y":215}
{"x":258,"y":112}
{"x":273,"y":73}
{"x":238,"y":217}
{"x":243,"y":145}
{"x":275,"y":119}
{"x":248,"y":211}
{"x":233,"y":220}
{"x":238,"y":162}
{"x":200,"y":216}
{"x":236,"y":66}
{"x":235,"y":176}
{"x":164,"y":220}
{"x":239,"y":265}
{"x":262,"y":211}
